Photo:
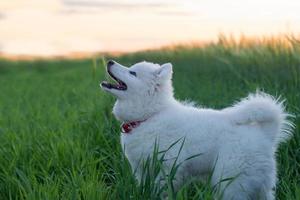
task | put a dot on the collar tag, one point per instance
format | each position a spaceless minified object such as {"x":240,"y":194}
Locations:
{"x":127,"y":127}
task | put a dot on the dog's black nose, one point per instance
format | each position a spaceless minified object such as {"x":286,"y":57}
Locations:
{"x":110,"y":63}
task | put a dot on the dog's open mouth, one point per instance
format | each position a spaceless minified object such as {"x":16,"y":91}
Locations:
{"x":120,"y":85}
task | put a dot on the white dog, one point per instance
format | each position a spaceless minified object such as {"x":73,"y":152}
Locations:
{"x":236,"y":145}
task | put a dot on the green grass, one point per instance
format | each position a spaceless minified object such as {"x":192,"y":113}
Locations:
{"x":59,"y":139}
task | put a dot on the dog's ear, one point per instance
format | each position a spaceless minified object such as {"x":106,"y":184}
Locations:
{"x":164,"y":72}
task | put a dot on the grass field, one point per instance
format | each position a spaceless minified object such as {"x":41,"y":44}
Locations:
{"x":59,"y":139}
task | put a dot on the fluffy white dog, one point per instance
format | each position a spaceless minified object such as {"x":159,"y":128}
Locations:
{"x":236,"y":145}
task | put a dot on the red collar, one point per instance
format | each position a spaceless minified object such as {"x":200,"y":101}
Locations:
{"x":127,"y":127}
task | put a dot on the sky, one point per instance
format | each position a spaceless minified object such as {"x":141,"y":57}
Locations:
{"x":57,"y":27}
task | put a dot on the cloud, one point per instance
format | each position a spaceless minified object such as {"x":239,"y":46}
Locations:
{"x":180,"y":13}
{"x":2,"y":16}
{"x":157,"y":7}
{"x":113,"y":4}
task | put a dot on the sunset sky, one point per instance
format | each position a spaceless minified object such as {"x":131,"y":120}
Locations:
{"x":54,"y":27}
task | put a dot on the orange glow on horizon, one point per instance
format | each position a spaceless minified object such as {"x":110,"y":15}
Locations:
{"x":57,"y":27}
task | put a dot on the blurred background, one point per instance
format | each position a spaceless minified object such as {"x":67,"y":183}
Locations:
{"x":78,"y":27}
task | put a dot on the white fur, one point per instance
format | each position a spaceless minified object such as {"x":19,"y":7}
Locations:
{"x":238,"y":142}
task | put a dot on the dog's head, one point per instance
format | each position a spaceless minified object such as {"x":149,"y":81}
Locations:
{"x":141,"y":90}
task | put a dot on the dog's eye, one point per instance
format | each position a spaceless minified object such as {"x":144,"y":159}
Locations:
{"x":132,"y":73}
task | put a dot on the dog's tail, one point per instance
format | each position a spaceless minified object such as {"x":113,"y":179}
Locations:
{"x":265,"y":111}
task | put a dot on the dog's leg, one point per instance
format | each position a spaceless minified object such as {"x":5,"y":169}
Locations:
{"x":252,"y":180}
